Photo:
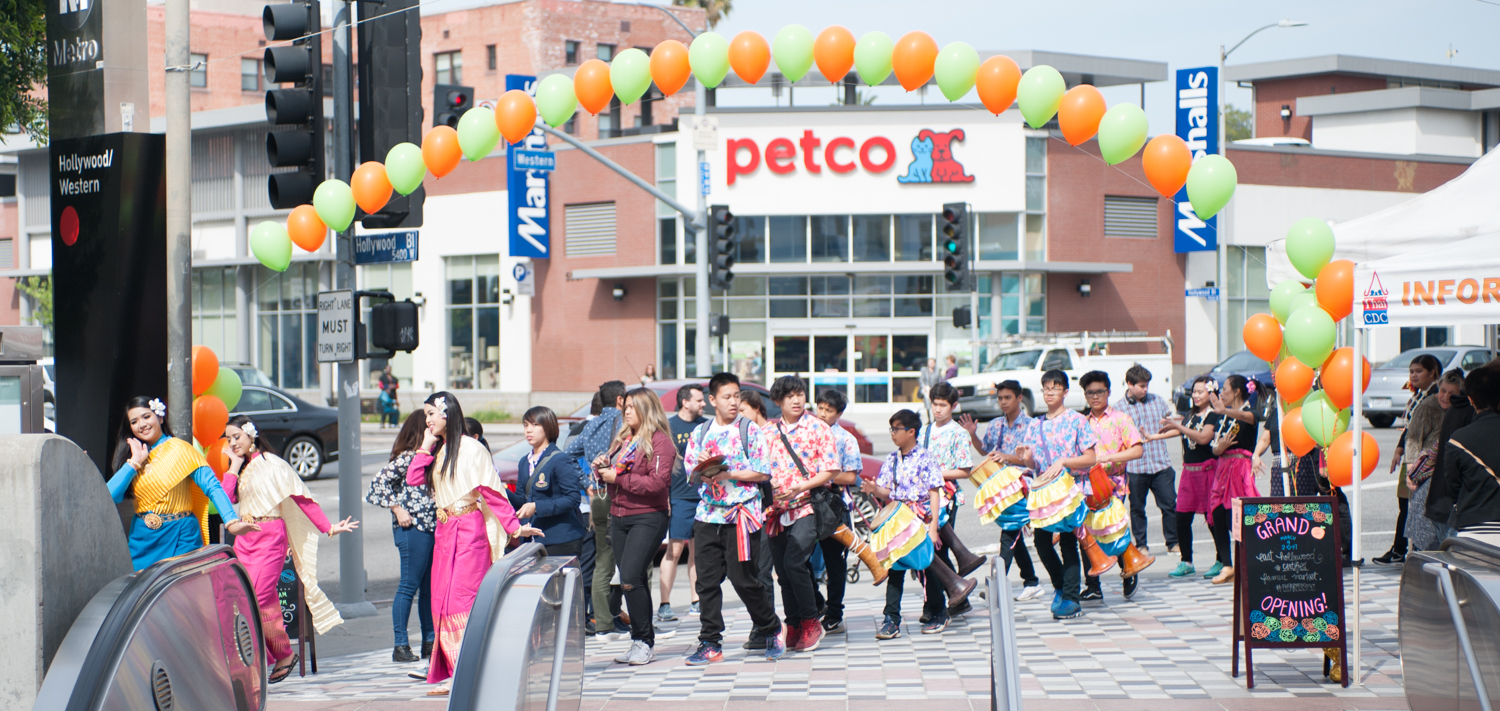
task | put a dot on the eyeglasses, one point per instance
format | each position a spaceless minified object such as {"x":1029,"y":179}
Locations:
{"x":1054,"y":390}
{"x":894,"y":430}
{"x":1095,"y":393}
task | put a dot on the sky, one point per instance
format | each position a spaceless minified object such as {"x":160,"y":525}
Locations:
{"x":1182,"y":34}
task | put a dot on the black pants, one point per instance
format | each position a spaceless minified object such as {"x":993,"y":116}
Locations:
{"x":1222,"y":522}
{"x":765,"y":565}
{"x":716,"y":549}
{"x":895,"y":586}
{"x":1066,"y":571}
{"x":635,"y":540}
{"x":836,"y":567}
{"x":790,"y":550}
{"x":1345,"y":524}
{"x":1162,"y":485}
{"x":1222,"y":546}
{"x":1398,"y":544}
{"x":586,"y":571}
{"x":1013,"y":547}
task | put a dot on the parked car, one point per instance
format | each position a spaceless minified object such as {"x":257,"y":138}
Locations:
{"x":1390,"y":382}
{"x":305,"y":434}
{"x":1243,"y":363}
{"x":1076,"y":355}
{"x":249,"y":374}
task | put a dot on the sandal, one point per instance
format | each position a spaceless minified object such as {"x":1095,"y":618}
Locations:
{"x":440,"y":691}
{"x":280,"y":673}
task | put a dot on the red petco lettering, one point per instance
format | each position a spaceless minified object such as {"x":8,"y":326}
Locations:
{"x":781,"y":155}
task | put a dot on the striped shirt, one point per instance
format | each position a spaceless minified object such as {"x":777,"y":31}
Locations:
{"x":1147,"y":415}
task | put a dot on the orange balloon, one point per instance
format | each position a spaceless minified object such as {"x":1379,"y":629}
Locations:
{"x":1262,"y":336}
{"x":1166,"y":161}
{"x":913,"y":58}
{"x":205,"y":369}
{"x":833,"y":50}
{"x":1338,"y":377}
{"x":1080,"y":112}
{"x":669,"y":66}
{"x":218,"y":458}
{"x":1295,"y":435}
{"x":1294,"y":380}
{"x":440,"y":150}
{"x":749,"y":55}
{"x":1340,"y":457}
{"x":997,"y":81}
{"x":306,"y":228}
{"x":592,"y":86}
{"x":515,"y":115}
{"x":1335,"y":288}
{"x":372,"y":189}
{"x":209,"y":418}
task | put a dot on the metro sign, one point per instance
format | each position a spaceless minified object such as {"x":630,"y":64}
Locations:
{"x":932,"y":158}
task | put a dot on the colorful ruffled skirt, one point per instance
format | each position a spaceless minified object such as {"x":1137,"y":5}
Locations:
{"x":1110,"y":526}
{"x":901,"y":541}
{"x":1057,"y":506}
{"x":999,"y":495}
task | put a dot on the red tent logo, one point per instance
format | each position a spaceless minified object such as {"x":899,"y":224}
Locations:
{"x":1374,"y":304}
{"x":932,"y":159}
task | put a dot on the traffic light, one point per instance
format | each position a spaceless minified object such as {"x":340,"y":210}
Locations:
{"x":393,"y":326}
{"x":718,"y":324}
{"x":390,"y":97}
{"x":297,"y":111}
{"x":961,"y":317}
{"x":722,"y":243}
{"x":449,"y":102}
{"x":955,"y":238}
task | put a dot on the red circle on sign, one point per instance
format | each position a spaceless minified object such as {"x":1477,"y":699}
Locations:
{"x":69,"y":226}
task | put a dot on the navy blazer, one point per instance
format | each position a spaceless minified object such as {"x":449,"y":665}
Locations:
{"x":556,"y":492}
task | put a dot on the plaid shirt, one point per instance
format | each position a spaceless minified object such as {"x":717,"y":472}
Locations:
{"x":1147,"y":415}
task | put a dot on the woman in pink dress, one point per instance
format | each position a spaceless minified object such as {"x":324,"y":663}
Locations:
{"x":475,"y":520}
{"x":1234,"y":444}
{"x":268,"y":493}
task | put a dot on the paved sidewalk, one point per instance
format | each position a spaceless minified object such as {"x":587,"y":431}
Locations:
{"x":1169,"y":643}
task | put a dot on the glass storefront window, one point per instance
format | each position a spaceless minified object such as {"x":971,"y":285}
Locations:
{"x":788,"y":286}
{"x":668,"y":368}
{"x":747,"y":349}
{"x":751,"y":232}
{"x":791,"y":353}
{"x":830,"y":238}
{"x":473,"y":322}
{"x":913,"y":238}
{"x":998,"y":236}
{"x":1036,"y":238}
{"x":214,"y":318}
{"x":835,"y":289}
{"x":868,"y":286}
{"x":913,"y":285}
{"x":287,"y":330}
{"x":788,"y":237}
{"x":830,"y":354}
{"x":872,"y":238}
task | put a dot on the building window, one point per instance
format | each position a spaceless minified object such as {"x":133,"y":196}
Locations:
{"x":666,"y":181}
{"x":667,"y":318}
{"x":1245,"y":285}
{"x":999,"y":236}
{"x":450,"y":67}
{"x":1023,"y":303}
{"x":474,"y":322}
{"x":249,"y":74}
{"x":872,"y":238}
{"x":490,"y":61}
{"x":589,"y":230}
{"x":1130,"y":217}
{"x":751,"y":233}
{"x":667,"y":239}
{"x":570,"y":52}
{"x":609,"y":122}
{"x":571,"y":127}
{"x":328,"y":79}
{"x":914,"y":238}
{"x":605,"y":52}
{"x":7,"y":253}
{"x":214,"y":322}
{"x":198,"y":74}
{"x":287,"y":325}
{"x":1425,"y":337}
{"x":830,"y":238}
{"x":788,"y":238}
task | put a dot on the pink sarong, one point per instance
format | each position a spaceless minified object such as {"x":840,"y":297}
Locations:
{"x":263,"y":553}
{"x":1234,"y":478}
{"x":1195,"y":487}
{"x":460,"y":560}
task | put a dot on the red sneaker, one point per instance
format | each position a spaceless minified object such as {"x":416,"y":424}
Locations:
{"x":812,"y":634}
{"x":793,"y":636}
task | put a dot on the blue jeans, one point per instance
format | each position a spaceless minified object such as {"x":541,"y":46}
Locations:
{"x":416,"y":573}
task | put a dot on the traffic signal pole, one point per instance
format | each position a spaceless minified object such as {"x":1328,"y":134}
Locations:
{"x":692,"y":215}
{"x":701,"y":256}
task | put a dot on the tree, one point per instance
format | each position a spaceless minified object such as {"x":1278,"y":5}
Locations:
{"x":713,"y":10}
{"x":39,"y":290}
{"x":1236,"y":123}
{"x":23,"y":66}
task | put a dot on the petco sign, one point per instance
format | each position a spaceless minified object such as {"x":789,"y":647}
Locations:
{"x":904,"y":161}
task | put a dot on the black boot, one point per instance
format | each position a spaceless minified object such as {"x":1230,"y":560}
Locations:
{"x":403,"y":653}
{"x":427,"y":650}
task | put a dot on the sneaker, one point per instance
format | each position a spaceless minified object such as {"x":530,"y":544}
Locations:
{"x":418,"y":675}
{"x":774,"y":648}
{"x":693,"y":608}
{"x":1030,"y":592}
{"x":660,"y":633}
{"x":960,"y":608}
{"x":834,"y":626}
{"x":640,"y":654}
{"x":665,"y":614}
{"x":1091,"y":595}
{"x":756,"y":641}
{"x":621,"y":631}
{"x":403,"y":653}
{"x":708,"y":653}
{"x":889,"y":629}
{"x":1182,"y":570}
{"x":1067,"y":610}
{"x":924,"y":619}
{"x":624,"y":657}
{"x":1391,"y":557}
{"x":589,"y":629}
{"x":1215,"y":570}
{"x":793,"y":635}
{"x":812,"y":635}
{"x":936,"y":626}
{"x":1130,"y":584}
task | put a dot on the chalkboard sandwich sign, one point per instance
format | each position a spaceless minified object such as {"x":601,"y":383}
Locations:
{"x":1289,"y":581}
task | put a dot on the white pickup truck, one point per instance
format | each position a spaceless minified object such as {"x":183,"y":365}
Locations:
{"x":1074,"y":354}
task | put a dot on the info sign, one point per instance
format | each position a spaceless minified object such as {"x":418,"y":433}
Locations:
{"x":1289,"y":578}
{"x":336,"y":326}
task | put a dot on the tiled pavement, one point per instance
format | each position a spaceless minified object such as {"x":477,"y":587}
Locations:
{"x":1170,"y":642}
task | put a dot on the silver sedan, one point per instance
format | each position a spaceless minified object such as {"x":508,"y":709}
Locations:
{"x":1389,"y":390}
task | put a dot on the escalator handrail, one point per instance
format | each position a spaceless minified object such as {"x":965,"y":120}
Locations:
{"x":481,"y":615}
{"x":139,"y":588}
{"x":1469,"y":545}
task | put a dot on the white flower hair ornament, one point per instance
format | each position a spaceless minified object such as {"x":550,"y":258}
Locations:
{"x":441,"y":404}
{"x":158,"y":407}
{"x":250,"y":431}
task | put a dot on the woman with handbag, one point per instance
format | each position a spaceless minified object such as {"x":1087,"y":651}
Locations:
{"x":1420,"y":458}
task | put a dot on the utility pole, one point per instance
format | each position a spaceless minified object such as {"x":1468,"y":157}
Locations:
{"x":179,"y":222}
{"x":700,"y":239}
{"x":352,"y":601}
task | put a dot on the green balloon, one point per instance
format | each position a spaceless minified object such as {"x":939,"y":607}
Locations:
{"x":404,"y":167}
{"x":955,"y":69}
{"x":555,"y":100}
{"x":1323,"y":421}
{"x":1122,"y":132}
{"x":1210,"y":184}
{"x":1039,"y":94}
{"x":477,"y":133}
{"x":270,"y":244}
{"x":1281,"y":299}
{"x":226,"y":387}
{"x":1307,"y":298}
{"x":630,"y":75}
{"x":1309,"y":245}
{"x":709,"y":57}
{"x":872,"y":57}
{"x":334,"y":202}
{"x":793,"y":50}
{"x":1309,"y":335}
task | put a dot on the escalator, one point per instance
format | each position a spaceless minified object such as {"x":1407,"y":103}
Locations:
{"x":1450,"y":627}
{"x":183,"y":633}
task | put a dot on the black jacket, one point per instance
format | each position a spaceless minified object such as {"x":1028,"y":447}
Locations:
{"x":556,"y":490}
{"x":1472,"y":461}
{"x":1439,"y":496}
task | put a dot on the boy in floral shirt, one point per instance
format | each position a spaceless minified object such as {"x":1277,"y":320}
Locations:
{"x":912,"y":476}
{"x":726,"y":531}
{"x":831,"y":404}
{"x":948,"y":442}
{"x":1119,"y":442}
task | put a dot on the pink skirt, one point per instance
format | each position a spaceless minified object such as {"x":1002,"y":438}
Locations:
{"x":1195,"y":487}
{"x":263,"y":553}
{"x":460,"y":559}
{"x":1234,"y":478}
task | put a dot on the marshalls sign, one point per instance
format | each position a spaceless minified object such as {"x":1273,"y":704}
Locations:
{"x":336,"y":326}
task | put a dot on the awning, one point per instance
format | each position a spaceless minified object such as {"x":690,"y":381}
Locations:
{"x":982,"y":266}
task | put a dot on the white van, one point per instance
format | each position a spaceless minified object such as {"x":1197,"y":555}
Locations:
{"x":1073,"y":353}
